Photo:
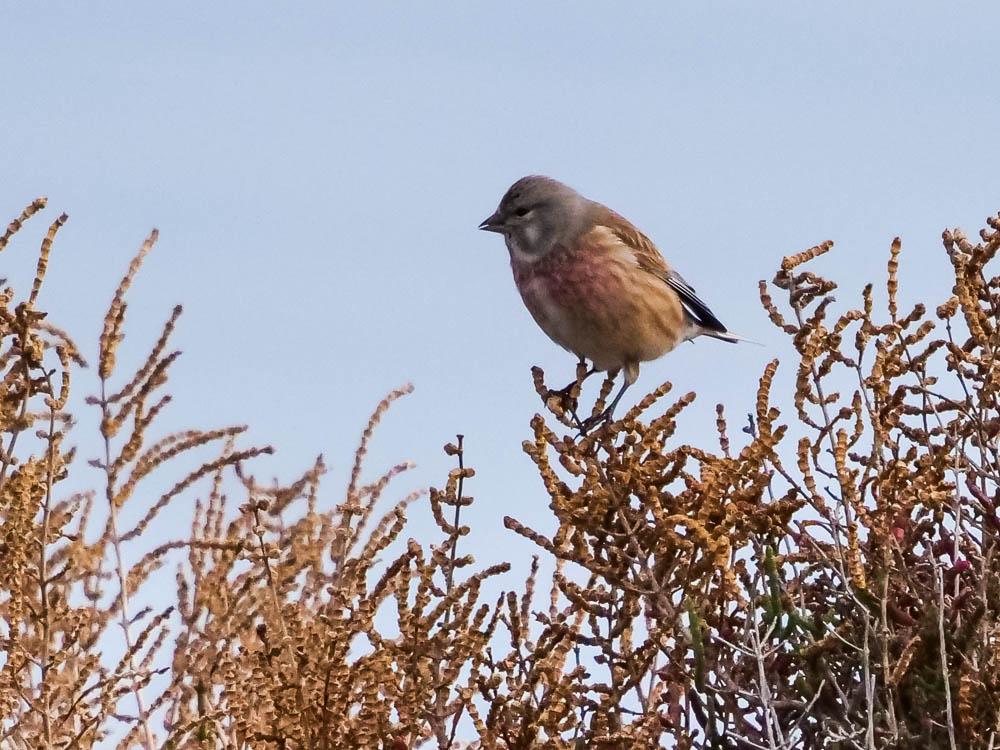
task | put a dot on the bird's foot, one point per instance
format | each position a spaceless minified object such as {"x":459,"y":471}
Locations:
{"x":563,"y":403}
{"x":595,"y":420}
{"x":565,"y":398}
{"x":604,"y":416}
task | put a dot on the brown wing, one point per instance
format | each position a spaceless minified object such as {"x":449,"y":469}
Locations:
{"x":650,"y":260}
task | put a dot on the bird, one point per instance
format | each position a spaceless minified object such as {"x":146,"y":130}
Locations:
{"x":594,"y":283}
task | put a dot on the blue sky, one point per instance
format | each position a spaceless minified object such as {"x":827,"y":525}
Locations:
{"x":317,"y":172}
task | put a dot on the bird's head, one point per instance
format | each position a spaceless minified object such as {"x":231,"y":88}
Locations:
{"x":536,"y":213}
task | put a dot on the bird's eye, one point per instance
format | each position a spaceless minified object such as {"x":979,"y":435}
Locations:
{"x":522,"y":211}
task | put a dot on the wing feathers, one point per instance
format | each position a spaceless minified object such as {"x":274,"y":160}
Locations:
{"x":697,"y":309}
{"x":650,"y":260}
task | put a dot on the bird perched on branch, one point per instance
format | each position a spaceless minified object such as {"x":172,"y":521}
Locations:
{"x":594,"y":283}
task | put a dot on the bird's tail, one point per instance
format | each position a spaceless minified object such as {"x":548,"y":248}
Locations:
{"x":732,"y":338}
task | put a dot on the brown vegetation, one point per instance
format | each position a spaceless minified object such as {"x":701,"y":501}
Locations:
{"x":825,"y":577}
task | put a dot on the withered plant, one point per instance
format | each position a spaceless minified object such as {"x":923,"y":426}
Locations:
{"x":830,"y":583}
{"x":62,"y":592}
{"x":273,"y":639}
{"x":824,"y":576}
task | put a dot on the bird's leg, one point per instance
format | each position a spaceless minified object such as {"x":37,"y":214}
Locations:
{"x":631,"y":375}
{"x":611,"y":408}
{"x":605,"y":416}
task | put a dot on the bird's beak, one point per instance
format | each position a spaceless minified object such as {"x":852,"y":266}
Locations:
{"x":493,"y":224}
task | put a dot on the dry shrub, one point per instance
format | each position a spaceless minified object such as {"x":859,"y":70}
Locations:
{"x":826,"y":578}
{"x":837,"y":588}
{"x":274,"y":639}
{"x":59,"y":685}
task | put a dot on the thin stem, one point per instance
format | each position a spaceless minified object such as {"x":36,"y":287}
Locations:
{"x":944,"y":659}
{"x":43,"y":572}
{"x":449,"y":578}
{"x":441,"y":698}
{"x":149,"y":742}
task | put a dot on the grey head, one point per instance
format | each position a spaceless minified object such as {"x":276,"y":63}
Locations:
{"x":536,"y":213}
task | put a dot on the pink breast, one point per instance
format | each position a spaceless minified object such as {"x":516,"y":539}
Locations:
{"x":570,"y":296}
{"x":561,"y":278}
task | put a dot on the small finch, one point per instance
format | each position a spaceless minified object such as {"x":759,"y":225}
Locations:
{"x":594,"y":283}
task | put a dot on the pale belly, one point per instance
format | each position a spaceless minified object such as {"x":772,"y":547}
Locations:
{"x":608,"y":316}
